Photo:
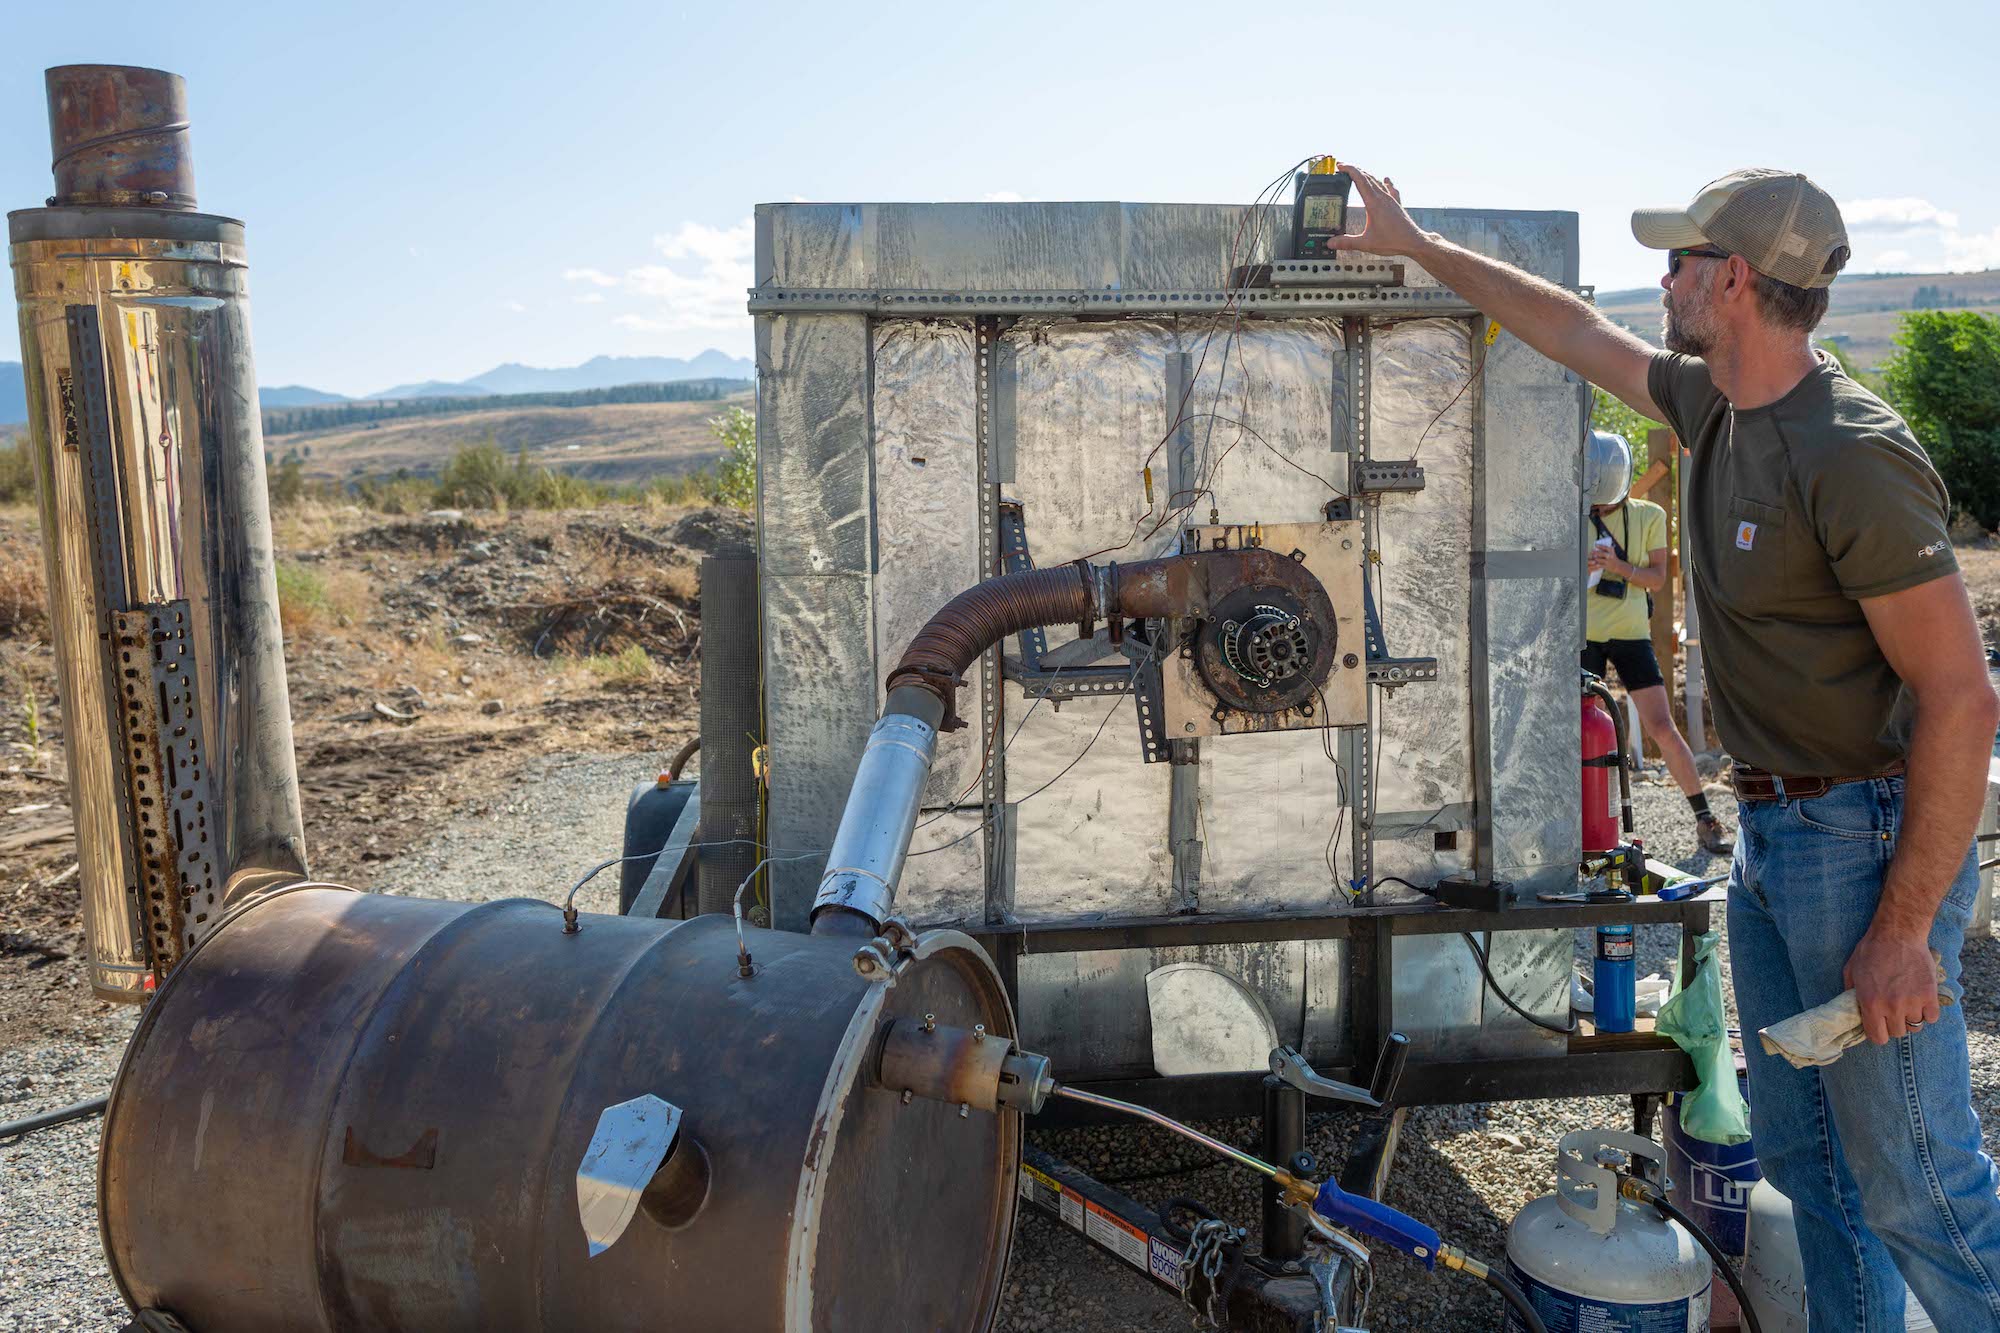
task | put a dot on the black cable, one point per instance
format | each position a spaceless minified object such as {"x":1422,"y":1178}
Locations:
{"x":1717,"y":1257}
{"x":1507,"y":999}
{"x":1505,"y":1286}
{"x":47,"y":1119}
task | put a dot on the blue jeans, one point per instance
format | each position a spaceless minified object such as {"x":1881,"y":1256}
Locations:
{"x":1880,"y":1151}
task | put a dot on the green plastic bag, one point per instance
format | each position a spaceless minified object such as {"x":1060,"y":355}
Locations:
{"x":1714,"y":1112}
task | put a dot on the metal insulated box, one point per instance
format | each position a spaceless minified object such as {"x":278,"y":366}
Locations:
{"x":942,"y":385}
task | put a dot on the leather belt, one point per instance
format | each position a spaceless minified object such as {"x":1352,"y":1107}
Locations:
{"x":1755,"y":784}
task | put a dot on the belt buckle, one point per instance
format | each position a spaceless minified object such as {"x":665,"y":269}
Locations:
{"x":1778,"y":785}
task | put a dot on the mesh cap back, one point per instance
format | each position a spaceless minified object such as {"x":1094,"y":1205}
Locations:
{"x":1782,"y":224}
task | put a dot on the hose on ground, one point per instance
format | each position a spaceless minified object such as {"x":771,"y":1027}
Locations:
{"x":60,"y":1116}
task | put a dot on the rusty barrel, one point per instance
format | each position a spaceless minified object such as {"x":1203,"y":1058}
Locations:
{"x":354,"y":1111}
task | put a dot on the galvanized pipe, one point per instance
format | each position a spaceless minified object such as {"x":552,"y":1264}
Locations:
{"x":866,"y":860}
{"x":149,"y":463}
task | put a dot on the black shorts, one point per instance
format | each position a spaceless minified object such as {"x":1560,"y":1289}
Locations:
{"x":1638,"y":669}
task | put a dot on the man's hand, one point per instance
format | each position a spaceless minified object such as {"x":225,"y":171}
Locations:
{"x":1894,"y":978}
{"x":1602,"y":557}
{"x":1554,"y":322}
{"x":1389,"y":230}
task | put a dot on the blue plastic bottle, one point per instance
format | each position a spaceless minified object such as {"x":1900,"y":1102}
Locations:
{"x":1615,"y":979}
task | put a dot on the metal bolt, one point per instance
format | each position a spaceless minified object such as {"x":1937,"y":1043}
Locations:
{"x":930,"y":1022}
{"x":964,"y":1111}
{"x":1350,"y":661}
{"x":1187,"y":726}
{"x":979,"y":1032}
{"x":155,"y":196}
{"x":907,"y":1095}
{"x":1346,"y":543}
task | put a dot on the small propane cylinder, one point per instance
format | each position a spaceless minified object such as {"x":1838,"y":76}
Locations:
{"x":1587,"y":1259}
{"x":1615,"y":980}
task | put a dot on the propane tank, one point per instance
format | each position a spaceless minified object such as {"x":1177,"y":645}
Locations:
{"x":1774,"y":1275}
{"x":1600,"y":789}
{"x":1588,"y":1259}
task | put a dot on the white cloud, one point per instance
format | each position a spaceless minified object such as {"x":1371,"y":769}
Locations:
{"x":516,"y":307}
{"x":712,"y":245}
{"x":1913,"y":235}
{"x":699,"y":285}
{"x":1002,"y":197}
{"x":1892,"y":214}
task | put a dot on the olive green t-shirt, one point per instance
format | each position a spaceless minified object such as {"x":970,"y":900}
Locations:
{"x":1796,"y":510}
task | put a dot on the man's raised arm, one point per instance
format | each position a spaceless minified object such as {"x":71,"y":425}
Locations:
{"x":1559,"y":325}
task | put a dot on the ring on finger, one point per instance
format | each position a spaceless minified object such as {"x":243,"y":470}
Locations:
{"x":1913,"y":1026}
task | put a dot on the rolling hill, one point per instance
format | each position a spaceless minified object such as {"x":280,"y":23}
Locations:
{"x":1863,"y":315}
{"x":616,"y":442}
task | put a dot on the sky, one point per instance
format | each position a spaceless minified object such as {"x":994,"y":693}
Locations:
{"x":432,"y":189}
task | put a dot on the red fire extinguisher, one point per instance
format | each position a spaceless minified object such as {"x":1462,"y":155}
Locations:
{"x":1600,"y":794}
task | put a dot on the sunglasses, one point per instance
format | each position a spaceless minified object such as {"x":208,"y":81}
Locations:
{"x":1674,"y":257}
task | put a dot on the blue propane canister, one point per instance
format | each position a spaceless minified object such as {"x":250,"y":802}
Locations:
{"x":1615,"y":980}
{"x":1712,"y":1181}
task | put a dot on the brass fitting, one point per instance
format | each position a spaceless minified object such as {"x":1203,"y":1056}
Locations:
{"x":1458,"y":1260}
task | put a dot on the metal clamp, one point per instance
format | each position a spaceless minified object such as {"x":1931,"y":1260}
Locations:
{"x":1291,"y":1068}
{"x":889,"y":952}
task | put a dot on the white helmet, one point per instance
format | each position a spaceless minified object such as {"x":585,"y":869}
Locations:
{"x":1607,"y":468}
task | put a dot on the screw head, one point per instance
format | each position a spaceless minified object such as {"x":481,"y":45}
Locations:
{"x":1350,"y":661}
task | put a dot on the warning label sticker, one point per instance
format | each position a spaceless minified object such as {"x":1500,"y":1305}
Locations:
{"x":1039,"y":1188}
{"x":1166,"y":1261}
{"x":1117,"y":1235}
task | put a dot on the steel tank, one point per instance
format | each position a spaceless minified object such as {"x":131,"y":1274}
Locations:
{"x":1586,"y":1258}
{"x":149,"y":462}
{"x":350,"y":1111}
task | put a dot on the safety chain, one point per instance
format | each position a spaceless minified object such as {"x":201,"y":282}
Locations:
{"x":1206,"y":1252}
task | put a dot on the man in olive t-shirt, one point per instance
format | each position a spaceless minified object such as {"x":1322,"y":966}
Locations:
{"x":1850,"y":687}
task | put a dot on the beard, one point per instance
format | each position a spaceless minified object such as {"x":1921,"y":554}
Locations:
{"x":1688,"y":325}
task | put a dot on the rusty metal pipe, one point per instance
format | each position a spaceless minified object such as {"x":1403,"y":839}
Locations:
{"x":857,"y":891}
{"x":118,"y":136}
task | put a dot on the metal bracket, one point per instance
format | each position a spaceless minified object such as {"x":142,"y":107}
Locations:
{"x":1061,"y":683}
{"x":1283,"y":302}
{"x":1384,"y":670}
{"x":1372,"y":478}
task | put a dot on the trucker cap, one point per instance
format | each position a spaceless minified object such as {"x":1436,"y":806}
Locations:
{"x":1782,"y":224}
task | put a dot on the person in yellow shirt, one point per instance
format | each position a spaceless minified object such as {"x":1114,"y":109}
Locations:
{"x":1628,"y":563}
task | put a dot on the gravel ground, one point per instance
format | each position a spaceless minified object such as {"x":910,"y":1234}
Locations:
{"x":1464,"y":1169}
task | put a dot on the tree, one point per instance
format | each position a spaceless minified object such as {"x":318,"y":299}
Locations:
{"x":1945,"y":380}
{"x":736,"y":475}
{"x":1607,"y":413}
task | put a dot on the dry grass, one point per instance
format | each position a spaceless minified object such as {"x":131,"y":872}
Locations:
{"x":312,"y":603}
{"x":628,"y":668}
{"x":23,"y":594}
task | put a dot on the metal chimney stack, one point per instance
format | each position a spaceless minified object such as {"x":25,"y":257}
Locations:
{"x":156,"y":530}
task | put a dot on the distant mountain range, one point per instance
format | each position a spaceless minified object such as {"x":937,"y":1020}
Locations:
{"x":600,"y":372}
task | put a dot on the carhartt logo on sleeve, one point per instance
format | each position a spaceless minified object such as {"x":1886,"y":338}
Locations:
{"x":1746,"y":535}
{"x":1932,"y":549}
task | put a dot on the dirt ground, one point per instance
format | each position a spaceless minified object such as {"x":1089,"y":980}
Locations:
{"x":430,"y":661}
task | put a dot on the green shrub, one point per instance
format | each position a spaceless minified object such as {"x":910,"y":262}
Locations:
{"x":629,"y":666}
{"x":17,"y":471}
{"x":1945,"y":380}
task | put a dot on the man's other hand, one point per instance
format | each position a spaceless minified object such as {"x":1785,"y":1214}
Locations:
{"x":1894,"y":978}
{"x":1388,"y":230}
